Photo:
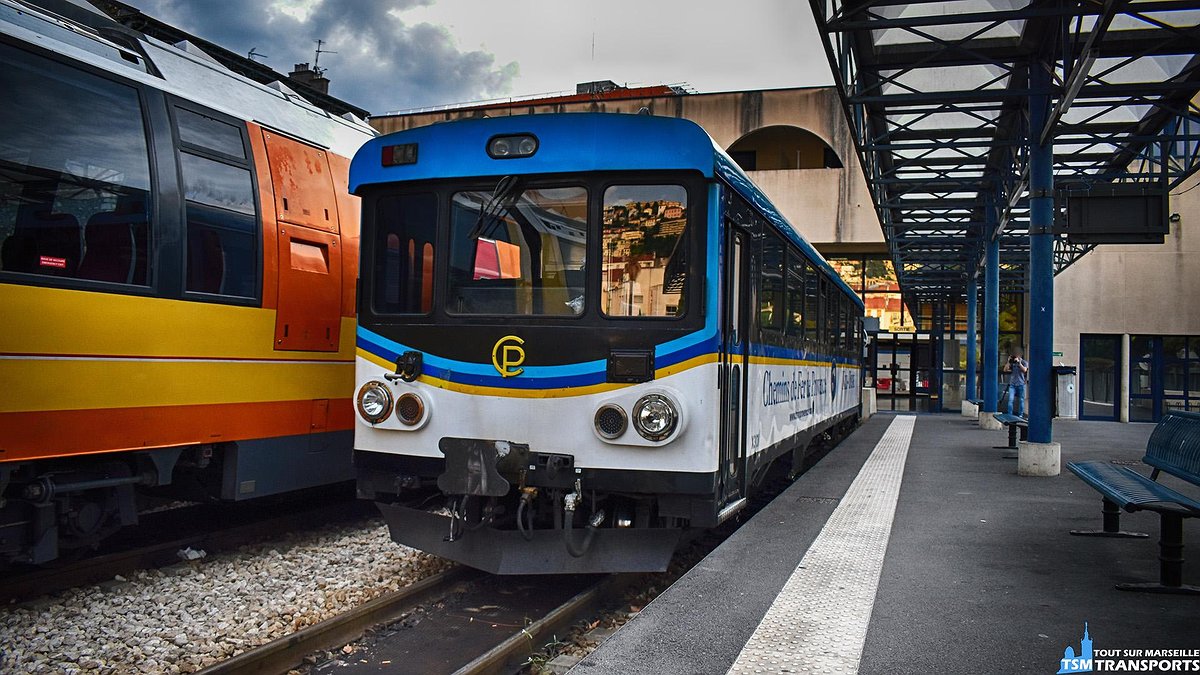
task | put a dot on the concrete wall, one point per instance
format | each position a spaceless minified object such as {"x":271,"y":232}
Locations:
{"x":782,"y":147}
{"x":1137,"y":290}
{"x":827,"y":206}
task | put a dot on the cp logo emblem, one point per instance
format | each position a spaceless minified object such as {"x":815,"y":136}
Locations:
{"x":508,"y":355}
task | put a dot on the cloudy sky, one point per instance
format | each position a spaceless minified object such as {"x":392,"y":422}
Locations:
{"x":399,"y":54}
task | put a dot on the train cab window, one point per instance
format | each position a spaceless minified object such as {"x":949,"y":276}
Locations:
{"x":222,"y":231}
{"x":406,"y":233}
{"x":517,"y":250}
{"x":771,"y":294}
{"x":74,"y":197}
{"x":644,"y":251}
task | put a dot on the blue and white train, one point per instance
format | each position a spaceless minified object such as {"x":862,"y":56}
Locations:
{"x":591,"y":331}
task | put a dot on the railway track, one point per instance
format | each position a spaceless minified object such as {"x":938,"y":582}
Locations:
{"x":158,"y":542}
{"x":484,"y":642}
{"x":462,"y":621}
{"x":466,"y":622}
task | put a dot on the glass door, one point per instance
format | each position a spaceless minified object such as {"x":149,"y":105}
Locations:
{"x":1145,"y":378}
{"x":905,"y":374}
{"x":1099,"y":378}
{"x":889,"y":383}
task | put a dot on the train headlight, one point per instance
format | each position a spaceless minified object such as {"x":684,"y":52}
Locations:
{"x":410,"y":409}
{"x":655,"y":417}
{"x":374,"y":402}
{"x":512,"y":147}
{"x":610,"y":421}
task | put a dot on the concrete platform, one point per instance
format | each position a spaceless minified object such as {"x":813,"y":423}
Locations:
{"x":980,"y":574}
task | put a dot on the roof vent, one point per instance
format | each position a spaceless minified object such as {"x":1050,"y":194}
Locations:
{"x":188,"y":47}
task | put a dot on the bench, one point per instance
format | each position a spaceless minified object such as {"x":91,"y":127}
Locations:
{"x":1174,"y":447}
{"x":1014,"y":424}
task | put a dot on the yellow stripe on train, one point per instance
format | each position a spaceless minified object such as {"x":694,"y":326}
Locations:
{"x":58,"y":321}
{"x":81,"y":384}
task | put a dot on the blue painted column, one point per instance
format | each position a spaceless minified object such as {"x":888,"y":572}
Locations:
{"x":991,"y":325}
{"x":1041,"y":260}
{"x":972,"y":352}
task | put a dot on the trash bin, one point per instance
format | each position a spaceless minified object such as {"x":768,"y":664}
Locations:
{"x":1066,"y":403}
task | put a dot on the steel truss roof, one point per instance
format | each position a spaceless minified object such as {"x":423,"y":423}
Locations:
{"x":935,"y":94}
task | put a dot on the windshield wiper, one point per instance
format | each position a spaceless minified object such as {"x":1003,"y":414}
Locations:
{"x":491,"y":208}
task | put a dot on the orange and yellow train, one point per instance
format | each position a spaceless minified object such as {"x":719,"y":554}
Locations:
{"x":178,"y":256}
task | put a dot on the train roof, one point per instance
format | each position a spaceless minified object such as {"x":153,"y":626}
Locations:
{"x":572,"y":142}
{"x":73,"y":30}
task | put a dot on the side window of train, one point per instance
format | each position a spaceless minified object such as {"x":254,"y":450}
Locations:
{"x":644,"y":251}
{"x":771,"y":294}
{"x":222,"y":255}
{"x":812,"y":305}
{"x":406,"y":231}
{"x":847,"y":331}
{"x":858,"y":338}
{"x":831,"y":294}
{"x":795,"y":296}
{"x":74,"y":175}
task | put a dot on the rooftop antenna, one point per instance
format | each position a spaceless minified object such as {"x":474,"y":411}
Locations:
{"x":255,"y":54}
{"x":317,"y":69}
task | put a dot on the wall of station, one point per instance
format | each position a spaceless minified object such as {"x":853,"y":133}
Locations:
{"x":1134,"y":289}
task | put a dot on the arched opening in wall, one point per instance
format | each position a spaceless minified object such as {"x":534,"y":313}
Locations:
{"x":783,"y":147}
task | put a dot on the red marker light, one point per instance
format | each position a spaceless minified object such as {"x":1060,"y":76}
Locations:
{"x":399,"y":155}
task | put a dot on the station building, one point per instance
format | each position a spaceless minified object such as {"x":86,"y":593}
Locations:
{"x":1124,"y":314}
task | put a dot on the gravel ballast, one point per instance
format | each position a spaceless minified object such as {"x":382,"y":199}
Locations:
{"x":183,"y":618}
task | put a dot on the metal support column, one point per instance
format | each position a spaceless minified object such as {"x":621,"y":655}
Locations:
{"x":1041,"y":260}
{"x":972,"y":355}
{"x":991,"y":326}
{"x":1123,"y":370}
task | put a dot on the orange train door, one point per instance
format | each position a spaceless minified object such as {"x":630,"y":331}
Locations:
{"x":308,"y":310}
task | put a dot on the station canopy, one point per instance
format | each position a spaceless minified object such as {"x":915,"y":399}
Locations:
{"x":936,"y":94}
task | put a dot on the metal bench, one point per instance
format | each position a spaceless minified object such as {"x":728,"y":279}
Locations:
{"x":1174,"y":447}
{"x":1015,"y":424}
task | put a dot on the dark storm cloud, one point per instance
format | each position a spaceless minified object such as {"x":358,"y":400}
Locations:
{"x":382,"y":63}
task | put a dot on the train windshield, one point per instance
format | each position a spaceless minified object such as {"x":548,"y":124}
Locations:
{"x":644,"y":250}
{"x":518,"y":251}
{"x":522,"y":249}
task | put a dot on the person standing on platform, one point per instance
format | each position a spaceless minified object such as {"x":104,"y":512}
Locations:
{"x":1018,"y":375}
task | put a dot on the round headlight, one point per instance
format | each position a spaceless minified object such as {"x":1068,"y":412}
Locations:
{"x":610,"y":421}
{"x":374,"y":402}
{"x":410,"y":408}
{"x":526,"y":146}
{"x":501,"y":147}
{"x":655,"y":417}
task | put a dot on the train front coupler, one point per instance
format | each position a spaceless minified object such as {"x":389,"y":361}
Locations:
{"x":483,"y":468}
{"x":512,"y":510}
